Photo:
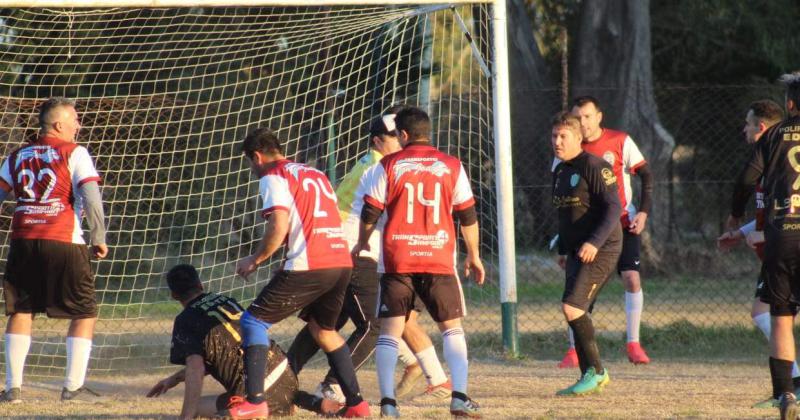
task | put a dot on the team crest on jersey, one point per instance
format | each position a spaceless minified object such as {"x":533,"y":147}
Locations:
{"x":608,"y":176}
{"x":416,"y":165}
{"x":295,"y":168}
{"x":609,"y":157}
{"x":44,"y":153}
{"x":574,"y":179}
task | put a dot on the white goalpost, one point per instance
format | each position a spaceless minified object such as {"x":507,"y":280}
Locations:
{"x":167,"y":89}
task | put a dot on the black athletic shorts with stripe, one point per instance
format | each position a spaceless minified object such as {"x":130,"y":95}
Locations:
{"x":440,"y":293}
{"x":584,"y":281}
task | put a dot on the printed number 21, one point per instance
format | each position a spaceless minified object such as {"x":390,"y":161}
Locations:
{"x":420,"y":196}
{"x":319,"y":188}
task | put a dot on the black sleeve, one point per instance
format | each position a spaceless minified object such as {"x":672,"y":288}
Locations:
{"x":370,"y":214}
{"x":646,"y":202}
{"x":746,"y":181}
{"x":467,"y":216}
{"x":603,"y":191}
{"x":185,"y":341}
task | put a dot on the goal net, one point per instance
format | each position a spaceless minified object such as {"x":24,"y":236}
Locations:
{"x":166,"y":95}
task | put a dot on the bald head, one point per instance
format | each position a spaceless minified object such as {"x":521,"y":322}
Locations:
{"x":58,"y":118}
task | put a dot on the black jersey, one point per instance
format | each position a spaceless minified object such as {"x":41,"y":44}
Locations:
{"x":209,"y":327}
{"x":585,"y":194}
{"x":776,"y":161}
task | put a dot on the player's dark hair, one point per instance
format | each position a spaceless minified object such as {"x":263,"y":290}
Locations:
{"x":767,"y":111}
{"x":183,"y":281}
{"x":566,"y":119}
{"x":792,"y":83}
{"x":261,"y":140}
{"x":415,"y":122}
{"x":583,"y":100}
{"x":46,"y":109}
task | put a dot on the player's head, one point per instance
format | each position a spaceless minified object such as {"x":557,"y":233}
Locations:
{"x":413,"y":124}
{"x":566,"y":135}
{"x":587,"y":109}
{"x":383,"y":133}
{"x":792,"y":83}
{"x":761,"y":115}
{"x":58,"y":118}
{"x":184,"y":282}
{"x":261,"y":147}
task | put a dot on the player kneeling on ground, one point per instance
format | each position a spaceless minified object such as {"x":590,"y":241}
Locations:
{"x":206,"y":338}
{"x":590,"y":239}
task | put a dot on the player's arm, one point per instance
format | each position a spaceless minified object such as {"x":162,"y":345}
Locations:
{"x":603,"y":191}
{"x":746,"y":181}
{"x":194,"y":373}
{"x":369,"y":218}
{"x":5,"y":181}
{"x":167,"y":383}
{"x":274,"y":235}
{"x":646,"y":203}
{"x":374,"y":181}
{"x":468,"y":219}
{"x":93,"y":209}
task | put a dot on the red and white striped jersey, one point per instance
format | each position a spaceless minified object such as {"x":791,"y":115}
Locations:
{"x":419,"y":187}
{"x":618,"y":149}
{"x":45,"y":177}
{"x":315,"y":239}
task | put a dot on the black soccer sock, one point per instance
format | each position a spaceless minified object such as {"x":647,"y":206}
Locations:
{"x":460,"y":395}
{"x":303,"y":348}
{"x":583,"y":330}
{"x":255,"y":364}
{"x":796,"y":381}
{"x":579,"y":350}
{"x":781,"y":373}
{"x":342,"y":366}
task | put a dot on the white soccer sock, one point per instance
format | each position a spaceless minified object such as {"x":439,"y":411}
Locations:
{"x":762,"y":321}
{"x":78,"y":351}
{"x":17,"y":346}
{"x":571,"y":337}
{"x":633,"y":313}
{"x":405,"y":354}
{"x":431,"y":367}
{"x":455,"y":353}
{"x":385,"y":361}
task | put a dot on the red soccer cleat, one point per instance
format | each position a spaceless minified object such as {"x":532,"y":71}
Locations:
{"x":442,"y":391}
{"x":570,"y":359}
{"x":636,"y":354}
{"x":359,"y":410}
{"x":240,"y":408}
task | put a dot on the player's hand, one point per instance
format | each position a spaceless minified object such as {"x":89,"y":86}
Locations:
{"x":733,"y":223}
{"x":246,"y":266}
{"x":162,"y":387}
{"x":587,"y":253}
{"x":474,"y":265}
{"x":729,"y":239}
{"x":562,"y":261}
{"x":100,"y":251}
{"x":755,"y":238}
{"x":357,"y":248}
{"x":638,"y":223}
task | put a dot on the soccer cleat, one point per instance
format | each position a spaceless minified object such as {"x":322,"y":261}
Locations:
{"x":570,"y":359}
{"x":331,"y":392}
{"x":389,"y":410}
{"x":357,"y":411}
{"x":79,"y":395}
{"x":240,"y":408}
{"x":11,"y":396}
{"x":591,"y":382}
{"x":329,"y":407}
{"x":441,"y":391}
{"x":636,"y":354}
{"x":567,"y":391}
{"x":461,"y":408}
{"x":788,"y":406}
{"x":768,"y":403}
{"x":411,"y":376}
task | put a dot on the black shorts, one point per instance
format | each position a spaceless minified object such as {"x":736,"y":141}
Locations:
{"x":362,"y":292}
{"x":44,"y":276}
{"x":782,"y":271}
{"x":631,"y":249}
{"x":279,"y":394}
{"x":584,"y":281}
{"x":317,"y":294}
{"x":441,"y":294}
{"x":762,"y":291}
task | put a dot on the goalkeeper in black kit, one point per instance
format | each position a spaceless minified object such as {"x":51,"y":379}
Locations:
{"x":590,"y":240}
{"x":206,"y":339}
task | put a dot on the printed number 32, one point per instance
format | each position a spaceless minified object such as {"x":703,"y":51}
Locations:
{"x":27,"y":178}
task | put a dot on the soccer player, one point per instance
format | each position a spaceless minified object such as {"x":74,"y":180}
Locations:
{"x":421,"y":189}
{"x":775,"y":162}
{"x":618,"y":149}
{"x":206,"y":338}
{"x":300,"y":210}
{"x":55,"y":182}
{"x":590,"y":236}
{"x":361,"y":296}
{"x":760,"y":116}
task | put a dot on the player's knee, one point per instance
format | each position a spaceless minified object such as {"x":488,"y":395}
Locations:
{"x":255,"y":330}
{"x":632,"y":281}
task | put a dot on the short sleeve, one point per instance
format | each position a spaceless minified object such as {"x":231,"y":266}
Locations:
{"x":5,"y":175}
{"x":632,"y":158}
{"x":275,"y":194}
{"x":185,"y":342}
{"x":556,"y":161}
{"x":375,"y":181}
{"x":462,"y":196}
{"x":81,"y":167}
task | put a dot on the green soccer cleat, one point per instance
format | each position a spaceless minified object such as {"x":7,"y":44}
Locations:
{"x":591,"y":382}
{"x":567,"y":391}
{"x":768,"y":403}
